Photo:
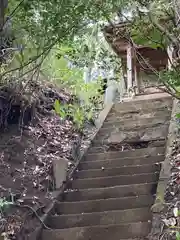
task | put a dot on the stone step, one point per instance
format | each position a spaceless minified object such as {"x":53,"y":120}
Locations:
{"x":104,"y":204}
{"x":134,"y":124}
{"x":132,"y":136}
{"x":104,"y":182}
{"x":103,"y":172}
{"x":137,"y":114}
{"x":159,"y":118}
{"x":100,"y":218}
{"x":109,"y":192}
{"x":142,"y":104}
{"x":144,"y":152}
{"x":152,"y":144}
{"x":107,"y":232}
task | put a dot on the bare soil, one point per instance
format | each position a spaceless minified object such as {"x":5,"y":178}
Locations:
{"x":26,"y":155}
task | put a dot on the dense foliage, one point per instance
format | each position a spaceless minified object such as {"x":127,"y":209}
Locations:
{"x":156,"y":24}
{"x":51,"y":34}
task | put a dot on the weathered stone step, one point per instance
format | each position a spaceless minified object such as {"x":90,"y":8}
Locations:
{"x":120,"y":162}
{"x":142,"y":104}
{"x":152,"y":144}
{"x":100,"y":218}
{"x":159,"y":118}
{"x":113,"y":181}
{"x":137,"y":114}
{"x":148,"y":134}
{"x":107,"y":132}
{"x":137,"y":153}
{"x":134,"y":124}
{"x":110,"y":192}
{"x":104,"y":204}
{"x":103,"y":172}
{"x":107,"y":232}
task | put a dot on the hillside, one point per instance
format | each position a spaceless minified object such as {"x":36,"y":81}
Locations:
{"x":27,"y":152}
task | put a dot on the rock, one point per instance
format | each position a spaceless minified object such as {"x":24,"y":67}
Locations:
{"x":60,"y":167}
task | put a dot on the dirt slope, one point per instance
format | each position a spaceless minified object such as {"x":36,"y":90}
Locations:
{"x":26,"y":156}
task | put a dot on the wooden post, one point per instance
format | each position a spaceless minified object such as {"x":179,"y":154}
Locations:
{"x":124,"y":73}
{"x":135,"y":72}
{"x":129,"y":67}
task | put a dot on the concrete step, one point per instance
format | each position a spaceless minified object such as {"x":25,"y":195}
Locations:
{"x":134,"y":124}
{"x":107,"y":232}
{"x":152,"y":144}
{"x":147,"y":121}
{"x":104,"y":172}
{"x":137,"y":114}
{"x":124,"y":162}
{"x":104,"y":204}
{"x":109,"y":192}
{"x":144,"y":152}
{"x":142,"y":104}
{"x":100,"y":218}
{"x":149,"y":134}
{"x":113,"y":181}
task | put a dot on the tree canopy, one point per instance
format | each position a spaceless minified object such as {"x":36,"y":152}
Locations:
{"x":73,"y":28}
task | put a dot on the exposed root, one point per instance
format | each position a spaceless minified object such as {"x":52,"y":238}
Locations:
{"x":35,"y":213}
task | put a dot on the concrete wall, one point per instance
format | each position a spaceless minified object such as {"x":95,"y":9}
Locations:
{"x":114,"y":91}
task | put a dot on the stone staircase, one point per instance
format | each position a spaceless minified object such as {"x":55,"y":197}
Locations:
{"x":114,"y":187}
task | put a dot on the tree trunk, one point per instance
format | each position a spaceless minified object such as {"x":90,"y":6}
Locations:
{"x":177,"y":18}
{"x":3,"y":6}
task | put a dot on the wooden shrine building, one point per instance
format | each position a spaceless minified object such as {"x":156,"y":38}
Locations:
{"x":140,"y":63}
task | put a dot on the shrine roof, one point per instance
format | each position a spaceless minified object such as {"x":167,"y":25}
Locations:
{"x":119,"y":38}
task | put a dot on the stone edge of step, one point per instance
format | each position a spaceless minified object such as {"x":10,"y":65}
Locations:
{"x":60,"y":205}
{"x":105,"y":212}
{"x":138,"y":126}
{"x":156,"y":166}
{"x":102,"y":189}
{"x":153,"y":99}
{"x":145,"y":225}
{"x":110,"y":181}
{"x":79,"y":181}
{"x":143,"y":212}
{"x":161,"y":149}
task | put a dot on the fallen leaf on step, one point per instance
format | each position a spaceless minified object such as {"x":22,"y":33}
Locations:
{"x":171,"y":222}
{"x":175,"y":212}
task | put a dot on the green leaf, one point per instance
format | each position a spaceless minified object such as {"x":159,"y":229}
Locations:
{"x":178,"y":115}
{"x":57,"y":106}
{"x":4,"y":205}
{"x":177,"y":235}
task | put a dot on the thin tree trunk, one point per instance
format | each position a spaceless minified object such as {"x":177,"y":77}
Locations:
{"x":177,"y":18}
{"x":3,"y":6}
